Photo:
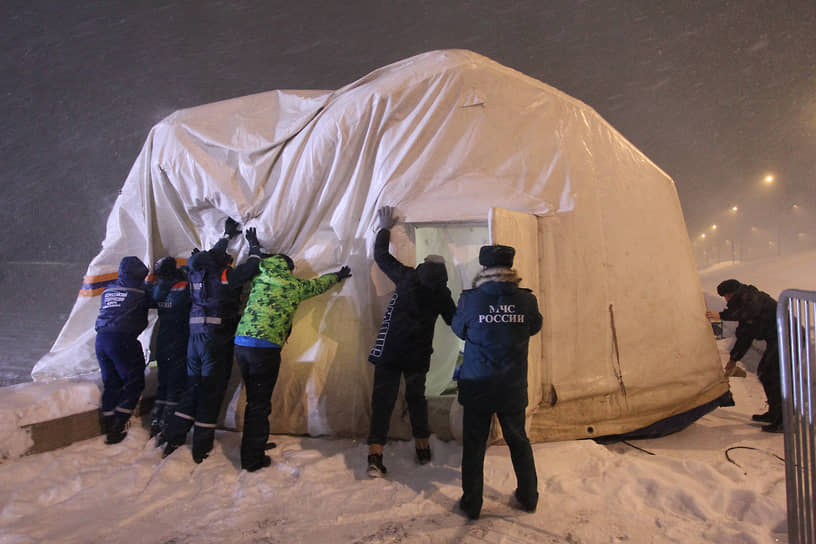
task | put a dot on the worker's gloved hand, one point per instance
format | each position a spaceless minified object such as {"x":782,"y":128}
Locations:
{"x":252,"y":238}
{"x":231,"y":228}
{"x":385,"y":217}
{"x":194,"y":251}
{"x":343,"y":273}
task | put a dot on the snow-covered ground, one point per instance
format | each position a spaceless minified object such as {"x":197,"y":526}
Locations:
{"x":679,"y":488}
{"x":720,"y":480}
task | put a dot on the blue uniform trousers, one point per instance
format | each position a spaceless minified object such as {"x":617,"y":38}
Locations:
{"x":209,"y":365}
{"x":172,"y":378}
{"x":122,"y":363}
{"x":476,"y":430}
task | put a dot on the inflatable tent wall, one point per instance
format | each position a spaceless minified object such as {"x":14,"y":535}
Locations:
{"x":468,"y":152}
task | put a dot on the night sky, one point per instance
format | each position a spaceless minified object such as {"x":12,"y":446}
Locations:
{"x":717,"y":94}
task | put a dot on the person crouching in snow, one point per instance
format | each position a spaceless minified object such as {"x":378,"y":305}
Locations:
{"x":404,"y":344}
{"x":261,"y":334}
{"x":496,"y":320}
{"x":122,"y":318}
{"x":755,"y":311}
{"x":172,"y":297}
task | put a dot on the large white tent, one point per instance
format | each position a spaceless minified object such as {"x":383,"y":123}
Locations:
{"x":468,"y":152}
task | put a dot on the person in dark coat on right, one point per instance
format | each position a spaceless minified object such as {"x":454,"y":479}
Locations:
{"x":755,"y":311}
{"x":496,"y":320}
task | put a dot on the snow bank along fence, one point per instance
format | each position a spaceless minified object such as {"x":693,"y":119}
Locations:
{"x":797,"y":361}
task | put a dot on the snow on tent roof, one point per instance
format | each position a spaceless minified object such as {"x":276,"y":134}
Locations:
{"x":447,"y":138}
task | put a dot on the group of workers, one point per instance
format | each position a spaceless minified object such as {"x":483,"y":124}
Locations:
{"x":202,"y":327}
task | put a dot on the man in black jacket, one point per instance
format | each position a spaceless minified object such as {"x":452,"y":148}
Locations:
{"x":404,"y":343}
{"x":496,"y":320}
{"x":755,"y":311}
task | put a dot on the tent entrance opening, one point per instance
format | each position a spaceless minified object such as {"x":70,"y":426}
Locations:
{"x":459,"y":244}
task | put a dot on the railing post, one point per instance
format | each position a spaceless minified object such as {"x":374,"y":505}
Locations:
{"x":795,"y":325}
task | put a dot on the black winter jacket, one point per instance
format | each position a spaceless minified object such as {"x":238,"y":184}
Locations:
{"x":405,"y":339}
{"x":755,"y":311}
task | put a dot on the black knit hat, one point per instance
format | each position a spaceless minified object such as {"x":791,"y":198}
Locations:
{"x":496,"y":255}
{"x":728,"y":287}
{"x":165,"y":267}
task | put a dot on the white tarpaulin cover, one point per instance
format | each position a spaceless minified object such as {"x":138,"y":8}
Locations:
{"x":467,"y":151}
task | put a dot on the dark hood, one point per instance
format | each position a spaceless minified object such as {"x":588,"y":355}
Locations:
{"x":213,"y":258}
{"x":432,"y":275}
{"x":132,"y":272}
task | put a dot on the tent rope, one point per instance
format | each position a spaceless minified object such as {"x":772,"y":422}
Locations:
{"x":748,"y":448}
{"x":637,"y":447}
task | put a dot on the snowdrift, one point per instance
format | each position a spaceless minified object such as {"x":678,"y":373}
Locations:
{"x":468,"y":152}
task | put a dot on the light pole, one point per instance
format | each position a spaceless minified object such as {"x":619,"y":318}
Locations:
{"x":733,"y":213}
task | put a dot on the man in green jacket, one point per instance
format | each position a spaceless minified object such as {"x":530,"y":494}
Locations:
{"x":262,"y":331}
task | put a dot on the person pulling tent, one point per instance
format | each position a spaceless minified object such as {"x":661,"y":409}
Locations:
{"x":755,"y":311}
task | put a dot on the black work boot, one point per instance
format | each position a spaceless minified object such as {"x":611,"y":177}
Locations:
{"x":766,"y":417}
{"x":423,"y":455}
{"x":117,"y":431}
{"x":524,"y":504}
{"x":263,"y":463}
{"x":471,"y":511}
{"x":199,"y":456}
{"x":376,"y":469}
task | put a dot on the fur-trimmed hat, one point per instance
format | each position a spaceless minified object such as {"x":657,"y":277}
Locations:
{"x":496,"y":255}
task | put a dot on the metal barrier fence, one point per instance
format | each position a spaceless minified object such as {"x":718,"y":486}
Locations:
{"x":797,"y":361}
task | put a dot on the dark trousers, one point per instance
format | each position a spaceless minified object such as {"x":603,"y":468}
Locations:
{"x":122,"y":363}
{"x":384,"y":396}
{"x":209,"y":365}
{"x":771,"y":380}
{"x":172,"y":379}
{"x":476,"y":429}
{"x":259,"y":370}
